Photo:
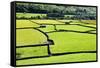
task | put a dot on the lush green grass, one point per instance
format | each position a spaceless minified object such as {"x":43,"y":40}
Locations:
{"x":86,"y":22}
{"x":29,"y":37}
{"x":74,"y":27}
{"x":63,"y":42}
{"x":48,"y":28}
{"x":25,"y":23}
{"x":74,"y":21}
{"x":59,"y":59}
{"x":72,"y":42}
{"x":67,"y":27}
{"x":32,"y":51}
{"x":47,"y":21}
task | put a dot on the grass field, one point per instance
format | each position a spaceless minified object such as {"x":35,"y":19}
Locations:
{"x":29,"y":37}
{"x":74,"y":27}
{"x":59,"y":59}
{"x":31,"y":51}
{"x":67,"y":41}
{"x":25,"y":23}
{"x":47,"y":21}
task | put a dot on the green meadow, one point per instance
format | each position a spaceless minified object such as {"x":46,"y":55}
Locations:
{"x":70,"y":39}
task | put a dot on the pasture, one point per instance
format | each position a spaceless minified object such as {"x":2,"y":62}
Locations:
{"x":67,"y":38}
